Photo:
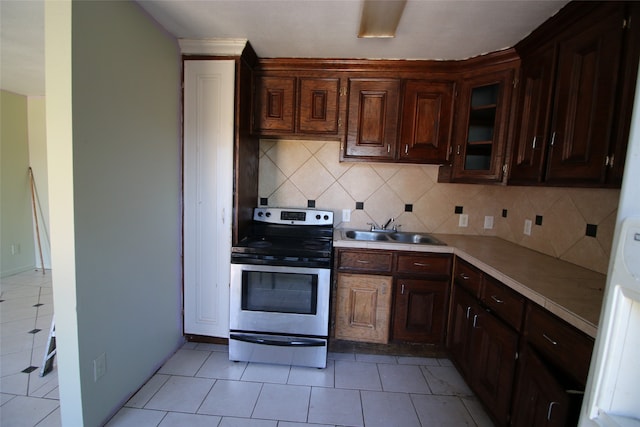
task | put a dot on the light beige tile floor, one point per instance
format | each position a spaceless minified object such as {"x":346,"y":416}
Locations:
{"x":199,"y":386}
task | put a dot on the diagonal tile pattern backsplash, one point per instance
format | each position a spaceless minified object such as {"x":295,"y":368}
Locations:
{"x":292,"y":172}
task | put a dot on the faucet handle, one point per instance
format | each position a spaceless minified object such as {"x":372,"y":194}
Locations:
{"x":373,"y":225}
{"x":395,"y":226}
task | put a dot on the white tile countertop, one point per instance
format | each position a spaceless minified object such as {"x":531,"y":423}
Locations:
{"x":570,"y":292}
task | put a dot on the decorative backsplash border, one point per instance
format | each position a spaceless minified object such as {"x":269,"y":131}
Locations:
{"x":573,"y":224}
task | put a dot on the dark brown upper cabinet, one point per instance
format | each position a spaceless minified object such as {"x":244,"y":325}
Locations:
{"x":318,"y":105}
{"x":529,"y":144}
{"x":297,"y":105}
{"x":372,"y":119}
{"x":397,"y":120}
{"x":482,"y":121}
{"x":274,"y":112}
{"x":573,"y":103}
{"x":427,"y":117}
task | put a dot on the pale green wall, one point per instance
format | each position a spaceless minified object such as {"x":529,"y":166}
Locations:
{"x":16,"y":217}
{"x":116,"y":262}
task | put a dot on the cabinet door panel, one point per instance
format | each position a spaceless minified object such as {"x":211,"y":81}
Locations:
{"x":276,"y":107}
{"x":459,"y":336}
{"x":534,"y":111}
{"x":362,"y":308}
{"x":482,"y":125}
{"x":373,"y":118}
{"x":495,"y":346}
{"x":426,"y":121}
{"x":318,"y":105}
{"x":584,"y":102}
{"x":539,"y":400}
{"x":420,"y":310}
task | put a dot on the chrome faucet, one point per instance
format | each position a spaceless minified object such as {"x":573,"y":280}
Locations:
{"x":376,"y":227}
{"x":384,"y":227}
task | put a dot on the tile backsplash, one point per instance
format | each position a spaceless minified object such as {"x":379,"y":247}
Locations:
{"x":573,"y":224}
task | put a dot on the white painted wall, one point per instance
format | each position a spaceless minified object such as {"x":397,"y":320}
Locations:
{"x":36,"y":113}
{"x":113,"y":136}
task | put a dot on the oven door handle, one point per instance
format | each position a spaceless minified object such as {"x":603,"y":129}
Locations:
{"x":288,"y":342}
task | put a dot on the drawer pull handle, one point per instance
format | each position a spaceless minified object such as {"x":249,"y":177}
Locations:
{"x":468,"y":310}
{"x":475,"y":320}
{"x":551,"y":405}
{"x":402,"y":289}
{"x":550,"y":340}
{"x":421,"y":264}
{"x":362,"y":261}
{"x":464,"y":276}
{"x":496,"y":299}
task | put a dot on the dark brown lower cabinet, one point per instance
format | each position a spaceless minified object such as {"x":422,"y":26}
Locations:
{"x":541,"y":397}
{"x":420,"y":310}
{"x":484,"y":349}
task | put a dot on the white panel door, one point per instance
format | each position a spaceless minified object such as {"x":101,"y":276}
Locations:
{"x":208,"y":193}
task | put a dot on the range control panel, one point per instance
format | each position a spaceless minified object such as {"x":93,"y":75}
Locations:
{"x":293,"y":216}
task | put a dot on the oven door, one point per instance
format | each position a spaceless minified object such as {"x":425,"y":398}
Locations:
{"x":280,"y":299}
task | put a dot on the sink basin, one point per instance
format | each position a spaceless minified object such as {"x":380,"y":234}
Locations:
{"x":415,"y":238}
{"x":370,"y":236}
{"x":392,"y":236}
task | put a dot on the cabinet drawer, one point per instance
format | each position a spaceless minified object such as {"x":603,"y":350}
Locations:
{"x":467,"y":276}
{"x":561,"y":343}
{"x":439,"y":265}
{"x":374,"y":261}
{"x":503,"y":301}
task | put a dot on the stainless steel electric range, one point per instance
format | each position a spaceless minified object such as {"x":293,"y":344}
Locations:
{"x":280,"y":287}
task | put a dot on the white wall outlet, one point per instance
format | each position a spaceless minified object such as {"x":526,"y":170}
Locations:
{"x":527,"y":227}
{"x":346,"y":215}
{"x":488,"y":222}
{"x":463,"y":221}
{"x":99,"y":367}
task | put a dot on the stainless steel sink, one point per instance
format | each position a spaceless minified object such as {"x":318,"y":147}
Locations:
{"x":370,"y":236}
{"x":415,"y":238}
{"x":392,"y":236}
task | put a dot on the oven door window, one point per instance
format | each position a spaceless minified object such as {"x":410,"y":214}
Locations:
{"x":279,"y":292}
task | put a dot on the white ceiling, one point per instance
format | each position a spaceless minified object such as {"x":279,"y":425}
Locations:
{"x":429,"y":29}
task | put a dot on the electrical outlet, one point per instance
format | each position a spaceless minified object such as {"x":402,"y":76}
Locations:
{"x":346,"y":215}
{"x":463,"y":221}
{"x":527,"y":227}
{"x":488,"y":222}
{"x":99,"y":367}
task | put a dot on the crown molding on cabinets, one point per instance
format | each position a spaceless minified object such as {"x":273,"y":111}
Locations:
{"x":215,"y":47}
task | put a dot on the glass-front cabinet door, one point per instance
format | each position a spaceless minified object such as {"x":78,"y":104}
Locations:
{"x":482,"y":125}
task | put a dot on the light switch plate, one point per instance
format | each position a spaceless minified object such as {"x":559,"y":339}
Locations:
{"x":527,"y":227}
{"x":346,"y":215}
{"x":463,"y":221}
